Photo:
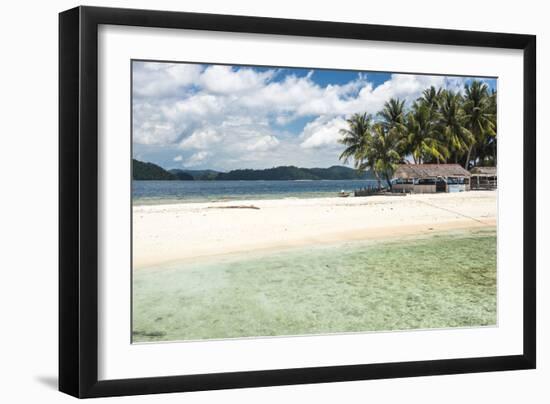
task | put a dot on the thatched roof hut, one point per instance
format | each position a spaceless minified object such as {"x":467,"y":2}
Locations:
{"x":487,"y":171}
{"x":421,"y":171}
{"x":484,"y":177}
{"x":431,"y":178}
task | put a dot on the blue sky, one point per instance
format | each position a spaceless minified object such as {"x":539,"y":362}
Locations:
{"x":227,"y":117}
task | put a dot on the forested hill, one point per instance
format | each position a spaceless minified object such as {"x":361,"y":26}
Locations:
{"x":294,"y":173}
{"x":152,"y":172}
{"x":203,"y":175}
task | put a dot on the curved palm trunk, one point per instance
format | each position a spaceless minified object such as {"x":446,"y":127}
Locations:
{"x":467,"y":162}
{"x":388,"y":180}
{"x":379,"y":180}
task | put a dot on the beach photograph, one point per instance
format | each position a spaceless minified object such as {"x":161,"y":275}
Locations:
{"x":281,"y":201}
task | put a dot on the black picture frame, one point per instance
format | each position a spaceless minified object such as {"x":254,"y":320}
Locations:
{"x":78,"y":201}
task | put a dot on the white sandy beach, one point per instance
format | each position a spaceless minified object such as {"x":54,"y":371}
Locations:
{"x":166,"y":233}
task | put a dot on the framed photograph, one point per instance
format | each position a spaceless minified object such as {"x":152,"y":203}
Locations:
{"x":251,"y":201}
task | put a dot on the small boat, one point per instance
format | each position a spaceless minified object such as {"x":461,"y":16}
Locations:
{"x":343,"y":194}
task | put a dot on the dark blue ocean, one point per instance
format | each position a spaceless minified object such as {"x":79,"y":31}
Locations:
{"x":158,"y":192}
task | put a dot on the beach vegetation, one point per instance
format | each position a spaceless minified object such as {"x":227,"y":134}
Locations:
{"x":441,"y":126}
{"x":480,"y":113}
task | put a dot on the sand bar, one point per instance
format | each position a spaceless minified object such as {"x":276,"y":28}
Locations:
{"x":187,"y":231}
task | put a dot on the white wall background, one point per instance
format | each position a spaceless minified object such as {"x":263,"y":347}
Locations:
{"x":28,"y":212}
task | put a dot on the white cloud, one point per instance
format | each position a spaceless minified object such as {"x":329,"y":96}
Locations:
{"x":228,"y":112}
{"x":322,"y":132}
{"x":163,"y":79}
{"x":197,"y":158}
{"x":178,"y":158}
{"x":201,"y":139}
{"x":227,"y":80}
{"x":154,"y":131}
{"x":264,"y":143}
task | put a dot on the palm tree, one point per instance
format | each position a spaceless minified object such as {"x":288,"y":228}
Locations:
{"x":441,"y":125}
{"x":383,"y":152}
{"x":452,"y":120}
{"x":430,"y":98}
{"x":422,"y":138}
{"x":492,"y":140}
{"x":356,"y":138}
{"x":479,"y":116}
{"x":393,"y":114}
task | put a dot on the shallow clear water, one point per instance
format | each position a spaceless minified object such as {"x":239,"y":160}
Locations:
{"x":156,"y":192}
{"x":437,"y":281}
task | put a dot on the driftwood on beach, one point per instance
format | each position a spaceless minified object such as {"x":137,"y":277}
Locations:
{"x":234,"y":207}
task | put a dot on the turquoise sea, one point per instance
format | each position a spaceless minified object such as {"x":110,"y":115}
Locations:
{"x":157,"y":192}
{"x":397,"y":284}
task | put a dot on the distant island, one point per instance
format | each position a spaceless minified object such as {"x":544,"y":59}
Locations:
{"x":152,"y":172}
{"x":293,"y":173}
{"x":199,"y":175}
